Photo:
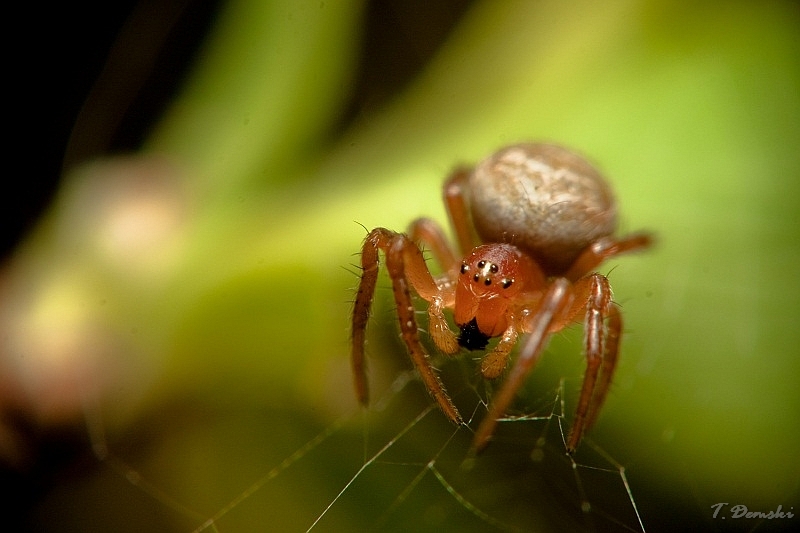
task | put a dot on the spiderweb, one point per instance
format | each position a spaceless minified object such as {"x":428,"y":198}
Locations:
{"x":399,"y":466}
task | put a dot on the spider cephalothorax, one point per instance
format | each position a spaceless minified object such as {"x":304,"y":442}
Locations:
{"x":490,"y":279}
{"x":532,"y":222}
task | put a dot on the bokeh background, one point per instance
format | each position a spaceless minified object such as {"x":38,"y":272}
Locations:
{"x":175,"y":321}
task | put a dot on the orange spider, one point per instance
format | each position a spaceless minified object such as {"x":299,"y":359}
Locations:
{"x":533,"y":222}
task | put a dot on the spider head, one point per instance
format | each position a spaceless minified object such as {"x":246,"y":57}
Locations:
{"x":490,"y":279}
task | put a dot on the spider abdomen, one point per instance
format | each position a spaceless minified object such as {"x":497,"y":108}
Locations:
{"x":544,"y":199}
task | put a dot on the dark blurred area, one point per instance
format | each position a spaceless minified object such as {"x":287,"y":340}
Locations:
{"x":92,"y":79}
{"x":70,"y":105}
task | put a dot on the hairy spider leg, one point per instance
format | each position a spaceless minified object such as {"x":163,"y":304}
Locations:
{"x":405,"y":264}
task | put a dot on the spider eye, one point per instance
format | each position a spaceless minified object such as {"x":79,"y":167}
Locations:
{"x":481,"y":263}
{"x":507,"y":283}
{"x":464,"y":268}
{"x":494,"y":268}
{"x":487,"y":281}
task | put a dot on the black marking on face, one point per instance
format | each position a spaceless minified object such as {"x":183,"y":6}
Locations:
{"x":471,"y":337}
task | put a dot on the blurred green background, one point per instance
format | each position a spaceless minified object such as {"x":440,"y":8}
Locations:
{"x":187,"y":305}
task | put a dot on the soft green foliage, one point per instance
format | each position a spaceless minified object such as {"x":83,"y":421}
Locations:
{"x":692,"y":110}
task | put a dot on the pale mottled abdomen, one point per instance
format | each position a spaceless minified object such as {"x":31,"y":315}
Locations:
{"x":544,"y":199}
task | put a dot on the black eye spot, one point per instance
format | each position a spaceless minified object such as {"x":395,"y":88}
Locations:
{"x":488,"y":281}
{"x":475,"y":278}
{"x":507,"y":283}
{"x":464,"y":268}
{"x":494,"y":268}
{"x":481,"y":263}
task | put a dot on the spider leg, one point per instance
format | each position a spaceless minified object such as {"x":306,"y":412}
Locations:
{"x":606,"y":248}
{"x":361,"y":309}
{"x":494,"y":362}
{"x":601,"y":353}
{"x":555,"y":302}
{"x":405,"y":265}
{"x":430,"y":233}
{"x":609,"y":365}
{"x":454,"y":200}
{"x":440,"y":331}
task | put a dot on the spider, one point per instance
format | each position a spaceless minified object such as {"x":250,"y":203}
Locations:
{"x":532,"y":221}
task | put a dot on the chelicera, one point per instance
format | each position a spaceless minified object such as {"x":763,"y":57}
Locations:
{"x":532,"y":222}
